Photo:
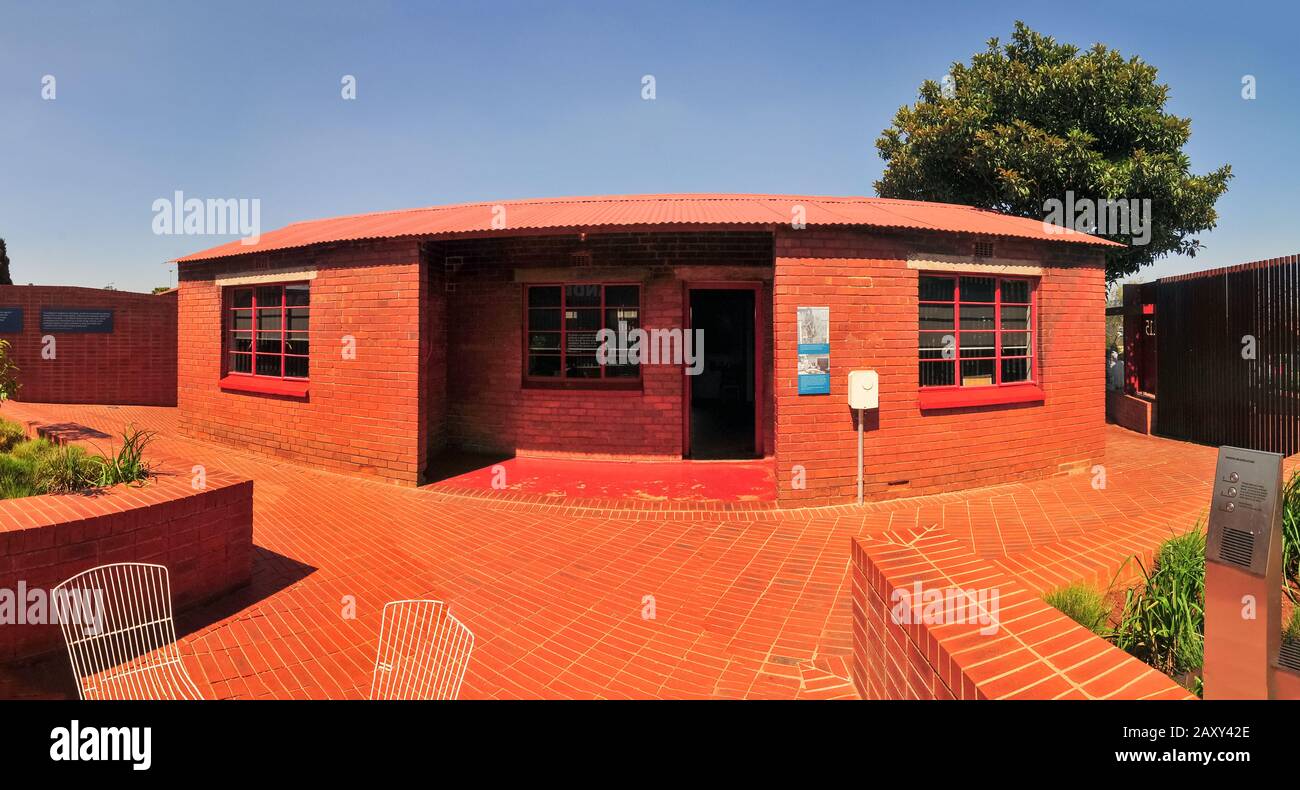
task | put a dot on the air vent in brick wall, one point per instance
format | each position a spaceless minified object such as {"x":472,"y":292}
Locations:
{"x":581,"y":258}
{"x":983,"y":249}
{"x":1289,"y":656}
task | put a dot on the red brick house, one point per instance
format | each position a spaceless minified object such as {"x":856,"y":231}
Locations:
{"x":368,"y":344}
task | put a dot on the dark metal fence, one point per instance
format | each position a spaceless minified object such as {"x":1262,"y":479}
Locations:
{"x":1228,"y":353}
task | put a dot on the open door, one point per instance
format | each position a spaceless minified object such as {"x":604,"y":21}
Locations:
{"x":723,"y":401}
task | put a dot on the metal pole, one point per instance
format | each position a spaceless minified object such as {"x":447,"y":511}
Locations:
{"x":859,"y":456}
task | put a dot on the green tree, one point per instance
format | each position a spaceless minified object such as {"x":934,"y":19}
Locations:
{"x":1025,"y":122}
{"x":5,"y":279}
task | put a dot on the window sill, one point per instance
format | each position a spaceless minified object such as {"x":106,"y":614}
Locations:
{"x":964,"y":397}
{"x":630,"y":387}
{"x":265,"y":386}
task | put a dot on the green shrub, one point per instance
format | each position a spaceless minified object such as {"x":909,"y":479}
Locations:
{"x":1163,"y":621}
{"x":16,"y":477}
{"x":1083,"y":605}
{"x":11,"y":433}
{"x":1291,"y":631}
{"x":61,"y":470}
{"x":1291,"y":531}
{"x":127,"y":465}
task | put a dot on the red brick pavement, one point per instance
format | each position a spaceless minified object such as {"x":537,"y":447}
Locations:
{"x":751,"y":603}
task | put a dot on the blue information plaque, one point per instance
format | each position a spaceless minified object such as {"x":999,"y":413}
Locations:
{"x":11,"y":320}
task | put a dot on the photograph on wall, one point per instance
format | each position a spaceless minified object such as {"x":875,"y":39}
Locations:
{"x":814,"y":350}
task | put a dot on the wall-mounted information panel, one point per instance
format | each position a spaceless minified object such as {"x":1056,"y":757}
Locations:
{"x":11,"y":320}
{"x":76,"y":320}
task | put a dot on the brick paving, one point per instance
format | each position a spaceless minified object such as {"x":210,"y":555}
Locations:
{"x":747,"y":604}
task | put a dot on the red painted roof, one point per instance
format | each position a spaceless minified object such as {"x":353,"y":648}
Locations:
{"x":609,"y":212}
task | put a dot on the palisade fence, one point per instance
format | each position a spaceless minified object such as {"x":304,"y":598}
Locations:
{"x":1228,"y":351}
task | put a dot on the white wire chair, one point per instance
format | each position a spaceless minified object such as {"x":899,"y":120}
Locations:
{"x":423,"y":652}
{"x":117,"y":623}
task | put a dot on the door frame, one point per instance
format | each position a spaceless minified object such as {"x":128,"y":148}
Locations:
{"x":756,"y":287}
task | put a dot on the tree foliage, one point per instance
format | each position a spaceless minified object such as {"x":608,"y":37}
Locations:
{"x":5,"y":279}
{"x":1029,"y":120}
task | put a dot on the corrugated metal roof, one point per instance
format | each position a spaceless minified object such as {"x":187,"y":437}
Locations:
{"x":613,"y":211}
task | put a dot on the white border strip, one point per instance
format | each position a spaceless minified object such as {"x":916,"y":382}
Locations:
{"x":973,"y":265}
{"x":277,"y":276}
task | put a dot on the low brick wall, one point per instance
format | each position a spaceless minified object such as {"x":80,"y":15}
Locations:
{"x":135,"y":364}
{"x":1029,"y":650}
{"x":1130,"y":411}
{"x":204,"y":538}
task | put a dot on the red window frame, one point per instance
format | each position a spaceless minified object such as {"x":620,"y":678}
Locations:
{"x":252,"y":380}
{"x":958,"y":394}
{"x":576,"y":382}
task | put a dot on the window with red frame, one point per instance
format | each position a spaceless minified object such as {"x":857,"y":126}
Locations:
{"x":975,"y":331}
{"x":562,"y":326}
{"x":268,"y":331}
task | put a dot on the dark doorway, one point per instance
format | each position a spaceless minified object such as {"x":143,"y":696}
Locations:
{"x":722,"y":394}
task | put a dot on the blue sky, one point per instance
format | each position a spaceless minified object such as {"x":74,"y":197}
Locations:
{"x":486,"y":101}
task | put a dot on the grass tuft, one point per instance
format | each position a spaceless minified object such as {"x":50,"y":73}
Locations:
{"x":1082,"y":604}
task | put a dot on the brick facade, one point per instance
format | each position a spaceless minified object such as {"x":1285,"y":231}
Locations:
{"x":864,"y":277}
{"x":135,"y":364}
{"x":439,"y":330}
{"x":361,"y":415}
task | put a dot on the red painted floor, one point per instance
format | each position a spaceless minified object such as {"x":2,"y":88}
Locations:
{"x":648,"y":481}
{"x":746,"y":604}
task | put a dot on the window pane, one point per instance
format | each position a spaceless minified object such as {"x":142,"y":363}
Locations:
{"x":242,"y":297}
{"x":296,"y":295}
{"x":268,"y":365}
{"x":295,"y":343}
{"x":241,"y":363}
{"x":268,"y":343}
{"x":977,"y":316}
{"x":544,"y":341}
{"x":544,"y":319}
{"x":621,"y":371}
{"x":242,"y":341}
{"x":270,"y":296}
{"x":978,"y":289}
{"x":627,"y":315}
{"x":936,"y":316}
{"x":581,"y":342}
{"x":539,"y":365}
{"x":976,"y":372}
{"x":1015,"y":370}
{"x":241,"y":319}
{"x":295,"y":367}
{"x":582,"y":320}
{"x":1015,"y":317}
{"x":544,"y":296}
{"x":622,"y":296}
{"x":581,"y":367}
{"x":297,"y":319}
{"x":268,"y":319}
{"x":1015,"y":291}
{"x":933,"y":345}
{"x":582,"y":295}
{"x":937,"y":374}
{"x":977,"y":344}
{"x":1015,"y":344}
{"x":936,"y":289}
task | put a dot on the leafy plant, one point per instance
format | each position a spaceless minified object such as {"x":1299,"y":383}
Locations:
{"x":1082,"y":604}
{"x":1163,"y":620}
{"x":11,"y":433}
{"x":1291,"y":631}
{"x":1291,"y":532}
{"x":9,"y":384}
{"x":127,"y":465}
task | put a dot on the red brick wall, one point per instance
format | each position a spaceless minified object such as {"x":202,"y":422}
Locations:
{"x":488,"y":409}
{"x":135,"y":364}
{"x":872,"y":294}
{"x":1130,"y":411}
{"x":362,"y":415}
{"x":203,"y":537}
{"x":1016,"y":646}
